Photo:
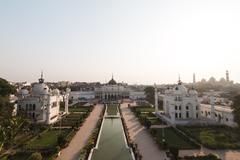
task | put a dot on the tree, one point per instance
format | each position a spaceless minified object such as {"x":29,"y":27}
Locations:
{"x":35,"y":156}
{"x":174,"y":151}
{"x":61,"y":140}
{"x":149,"y":91}
{"x":236,"y":109}
{"x":5,"y":88}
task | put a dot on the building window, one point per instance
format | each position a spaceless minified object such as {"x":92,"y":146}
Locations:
{"x":197,"y":115}
{"x":227,"y":119}
{"x":176,"y":107}
{"x":187,"y":114}
{"x":180,"y":115}
{"x":30,"y":107}
{"x":179,"y":107}
{"x":208,"y":113}
{"x":196,"y":107}
{"x":176,"y":115}
{"x":187,"y":108}
{"x":34,"y":107}
{"x":202,"y":112}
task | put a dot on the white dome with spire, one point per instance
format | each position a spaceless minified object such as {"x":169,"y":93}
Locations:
{"x":40,"y":88}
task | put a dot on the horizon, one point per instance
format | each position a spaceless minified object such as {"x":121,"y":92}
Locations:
{"x":139,"y":42}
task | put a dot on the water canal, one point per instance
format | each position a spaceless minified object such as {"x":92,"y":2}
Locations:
{"x":112,"y":144}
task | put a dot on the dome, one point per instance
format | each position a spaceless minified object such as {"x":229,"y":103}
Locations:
{"x":68,"y":90}
{"x":39,"y":89}
{"x":193,"y":92}
{"x":23,"y":92}
{"x":55,"y":92}
{"x":112,"y":82}
{"x":180,"y":89}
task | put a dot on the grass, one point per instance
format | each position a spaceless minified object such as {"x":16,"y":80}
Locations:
{"x":112,"y":110}
{"x":218,"y":137}
{"x":144,"y":109}
{"x":73,"y":119}
{"x":47,"y":139}
{"x":172,"y":139}
{"x":80,"y":109}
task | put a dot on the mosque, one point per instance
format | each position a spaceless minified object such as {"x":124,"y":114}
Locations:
{"x":41,"y":104}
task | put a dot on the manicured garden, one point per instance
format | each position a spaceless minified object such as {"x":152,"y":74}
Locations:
{"x":47,"y":139}
{"x":214,"y":137}
{"x":145,"y":116}
{"x":172,"y":139}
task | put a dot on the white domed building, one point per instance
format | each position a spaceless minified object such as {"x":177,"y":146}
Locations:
{"x":180,"y":105}
{"x":42,"y":105}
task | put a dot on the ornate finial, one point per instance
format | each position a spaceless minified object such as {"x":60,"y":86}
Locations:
{"x":41,"y":80}
{"x":112,"y":75}
{"x":179,"y":80}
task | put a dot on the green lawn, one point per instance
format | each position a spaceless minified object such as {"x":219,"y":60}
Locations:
{"x":80,"y":109}
{"x":172,"y":139}
{"x":145,"y":109}
{"x":220,"y":137}
{"x":112,"y":110}
{"x":47,"y":139}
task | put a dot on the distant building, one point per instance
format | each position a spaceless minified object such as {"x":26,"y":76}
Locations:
{"x":108,"y":93}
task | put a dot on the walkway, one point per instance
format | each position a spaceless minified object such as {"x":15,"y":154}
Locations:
{"x":80,"y":139}
{"x":139,"y":135}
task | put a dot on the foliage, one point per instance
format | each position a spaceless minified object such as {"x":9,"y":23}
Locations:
{"x":149,"y":92}
{"x":5,"y":88}
{"x":236,"y":109}
{"x":214,"y":137}
{"x":174,"y":151}
{"x":61,"y":140}
{"x":35,"y":156}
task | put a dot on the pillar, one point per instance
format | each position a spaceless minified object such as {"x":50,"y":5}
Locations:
{"x":66,"y":99}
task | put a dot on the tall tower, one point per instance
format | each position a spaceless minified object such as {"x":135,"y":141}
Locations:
{"x":227,"y":76}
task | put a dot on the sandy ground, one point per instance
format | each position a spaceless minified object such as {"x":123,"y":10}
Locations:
{"x":80,"y":139}
{"x":138,"y":134}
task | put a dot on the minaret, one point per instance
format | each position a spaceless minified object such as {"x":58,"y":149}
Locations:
{"x":156,"y":98}
{"x":194,"y":78}
{"x":66,"y":99}
{"x":227,"y":76}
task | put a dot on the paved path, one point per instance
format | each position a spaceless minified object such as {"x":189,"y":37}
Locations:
{"x":138,"y":134}
{"x":81,"y":137}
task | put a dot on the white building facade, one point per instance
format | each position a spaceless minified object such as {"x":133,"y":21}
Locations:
{"x":181,"y":105}
{"x":42,"y":105}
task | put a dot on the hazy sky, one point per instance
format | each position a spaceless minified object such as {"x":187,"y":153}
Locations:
{"x":138,"y":41}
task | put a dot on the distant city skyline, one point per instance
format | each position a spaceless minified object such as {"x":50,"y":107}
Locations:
{"x":140,"y":42}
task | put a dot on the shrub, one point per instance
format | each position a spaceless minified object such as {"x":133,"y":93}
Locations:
{"x":35,"y":156}
{"x":174,"y":151}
